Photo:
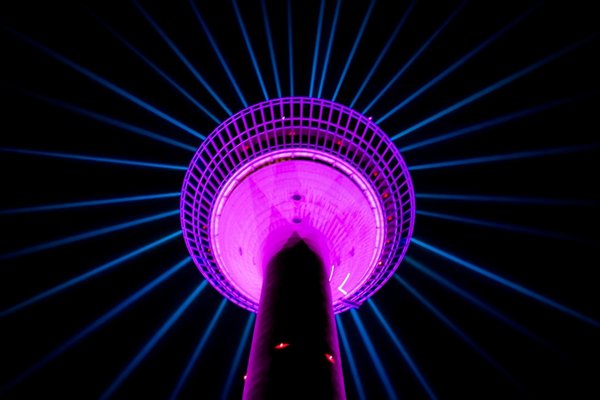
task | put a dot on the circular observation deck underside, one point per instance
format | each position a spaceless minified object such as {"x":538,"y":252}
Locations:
{"x":305,"y":167}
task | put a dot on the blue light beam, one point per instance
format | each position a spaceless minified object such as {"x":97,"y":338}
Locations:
{"x":194,"y":358}
{"x":103,"y":82}
{"x":435,"y":311}
{"x":158,"y":70}
{"x":182,"y":58}
{"x":387,"y":385}
{"x":317,"y":47}
{"x":249,"y":47}
{"x":507,"y":283}
{"x":271,"y":49}
{"x":87,"y":203}
{"x":495,"y":86}
{"x":505,"y":157}
{"x":85,"y":235}
{"x":118,"y":161}
{"x":290,"y":46}
{"x":336,"y":14}
{"x":412,"y":59}
{"x":350,"y":357}
{"x":484,"y":125}
{"x":354,"y":47}
{"x":111,"y":121}
{"x":383,"y":52}
{"x":153,"y":341}
{"x":495,"y":225}
{"x":235,"y":365}
{"x":92,"y":327}
{"x":218,"y":52}
{"x":473,"y":299}
{"x":402,"y":350}
{"x":87,"y":275}
{"x":503,"y":199}
{"x":458,"y":63}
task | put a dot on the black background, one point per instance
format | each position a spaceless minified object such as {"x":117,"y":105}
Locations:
{"x":562,"y":365}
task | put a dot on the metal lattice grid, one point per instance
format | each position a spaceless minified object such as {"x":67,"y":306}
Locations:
{"x":312,"y":131}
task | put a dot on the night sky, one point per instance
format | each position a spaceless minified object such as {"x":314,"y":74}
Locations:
{"x":509,"y":88}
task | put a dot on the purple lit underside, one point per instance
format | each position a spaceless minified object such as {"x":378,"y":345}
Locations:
{"x":300,"y":166}
{"x":317,"y":202}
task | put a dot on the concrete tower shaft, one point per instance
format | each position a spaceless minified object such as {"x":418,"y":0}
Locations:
{"x":295,"y":351}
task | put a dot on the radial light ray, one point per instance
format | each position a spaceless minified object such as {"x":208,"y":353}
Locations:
{"x":271,"y":49}
{"x":484,"y":125}
{"x":502,"y":199}
{"x":290,"y":46}
{"x":81,"y":157}
{"x":181,"y":57}
{"x":505,"y":157}
{"x":158,"y":70}
{"x":317,"y":47}
{"x":88,"y":203}
{"x":332,"y":31}
{"x":495,"y":225}
{"x":473,"y":300}
{"x":111,"y":121}
{"x":457,"y":64}
{"x":413,"y":58}
{"x":237,"y":358}
{"x":153,"y":341}
{"x":440,"y":315}
{"x":85,"y":276}
{"x":218,"y":52}
{"x":381,"y":372}
{"x":507,"y":283}
{"x":96,"y":324}
{"x":86,"y":235}
{"x":201,"y":344}
{"x":402,"y":350}
{"x":350,"y":358}
{"x":354,"y":47}
{"x":495,"y":86}
{"x":249,"y":47}
{"x":103,"y":82}
{"x":383,"y":52}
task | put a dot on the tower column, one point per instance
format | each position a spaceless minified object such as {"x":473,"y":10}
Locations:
{"x":295,"y":350}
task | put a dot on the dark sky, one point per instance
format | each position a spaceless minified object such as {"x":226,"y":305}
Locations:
{"x":553,"y":251}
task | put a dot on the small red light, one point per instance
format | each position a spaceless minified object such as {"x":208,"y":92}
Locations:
{"x":281,"y":346}
{"x":329,"y":358}
{"x":386,"y":195}
{"x":245,"y":376}
{"x":204,"y":227}
{"x":375,"y":173}
{"x":380,"y":263}
{"x":247,"y":147}
{"x":292,"y":133}
{"x":339,"y":142}
{"x":390,"y":217}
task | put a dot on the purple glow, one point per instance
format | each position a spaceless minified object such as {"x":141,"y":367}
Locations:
{"x":301,"y":166}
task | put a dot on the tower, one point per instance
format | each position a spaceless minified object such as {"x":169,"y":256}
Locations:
{"x":291,"y":208}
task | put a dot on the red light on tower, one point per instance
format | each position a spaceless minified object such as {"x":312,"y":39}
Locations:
{"x":281,"y":346}
{"x":329,"y":358}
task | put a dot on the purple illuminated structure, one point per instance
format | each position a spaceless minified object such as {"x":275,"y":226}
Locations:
{"x":283,"y":181}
